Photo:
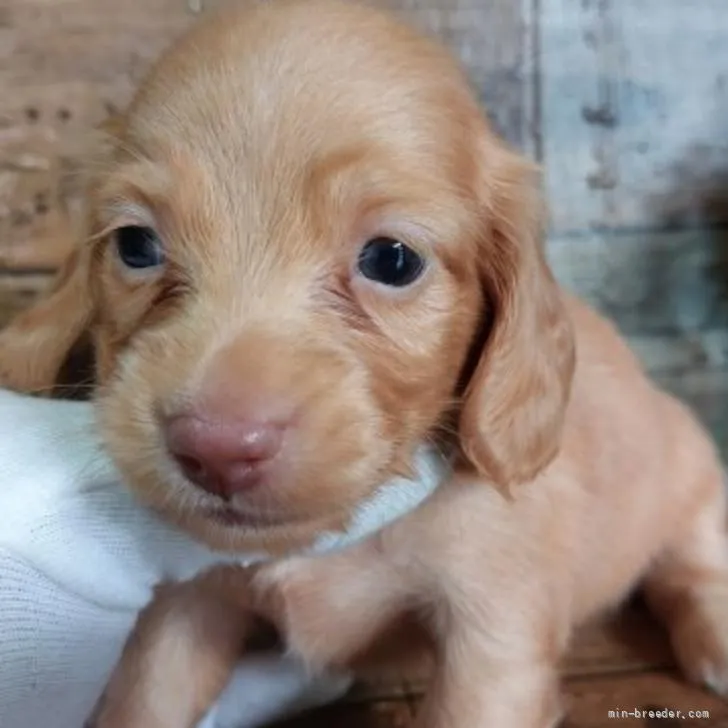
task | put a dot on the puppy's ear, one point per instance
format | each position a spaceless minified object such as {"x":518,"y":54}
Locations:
{"x":515,"y":399}
{"x":35,"y":346}
{"x":40,"y":347}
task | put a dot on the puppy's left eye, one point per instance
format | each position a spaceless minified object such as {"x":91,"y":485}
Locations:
{"x":390,"y":262}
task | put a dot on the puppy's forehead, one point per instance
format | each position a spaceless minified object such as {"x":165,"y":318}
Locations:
{"x":272,"y":87}
{"x":268,"y":125}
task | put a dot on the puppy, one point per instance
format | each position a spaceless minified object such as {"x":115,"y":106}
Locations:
{"x":310,"y":259}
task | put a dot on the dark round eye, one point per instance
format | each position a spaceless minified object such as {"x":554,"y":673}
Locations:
{"x":390,"y":262}
{"x":139,"y":247}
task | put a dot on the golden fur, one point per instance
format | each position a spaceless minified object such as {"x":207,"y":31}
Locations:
{"x":265,"y":148}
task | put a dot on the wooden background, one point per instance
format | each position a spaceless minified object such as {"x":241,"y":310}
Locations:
{"x":624,"y":102}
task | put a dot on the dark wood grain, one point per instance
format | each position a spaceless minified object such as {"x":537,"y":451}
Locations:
{"x":375,"y":714}
{"x":636,"y":699}
{"x":649,"y":699}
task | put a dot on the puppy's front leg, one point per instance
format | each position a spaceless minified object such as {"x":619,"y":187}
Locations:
{"x":478,"y":687}
{"x":180,"y":654}
{"x":330,"y":608}
{"x":491,"y":669}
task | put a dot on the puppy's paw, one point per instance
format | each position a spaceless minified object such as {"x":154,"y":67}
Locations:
{"x":289,"y":594}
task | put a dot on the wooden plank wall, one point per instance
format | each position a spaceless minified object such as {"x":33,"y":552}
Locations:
{"x":634,"y":141}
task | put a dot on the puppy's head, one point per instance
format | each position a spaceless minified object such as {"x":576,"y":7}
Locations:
{"x":308,"y":255}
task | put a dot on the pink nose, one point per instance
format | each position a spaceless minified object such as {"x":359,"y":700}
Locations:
{"x":223,"y":457}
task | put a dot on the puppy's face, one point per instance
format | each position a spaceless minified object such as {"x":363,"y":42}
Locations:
{"x":299,"y":228}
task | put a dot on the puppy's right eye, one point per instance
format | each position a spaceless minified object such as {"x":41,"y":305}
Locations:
{"x":390,"y":262}
{"x":139,"y":247}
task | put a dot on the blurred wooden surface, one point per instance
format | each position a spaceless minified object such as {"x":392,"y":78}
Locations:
{"x":622,"y":665}
{"x":645,"y":700}
{"x":624,"y":102}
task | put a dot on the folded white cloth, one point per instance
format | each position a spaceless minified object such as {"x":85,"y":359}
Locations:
{"x":79,"y":558}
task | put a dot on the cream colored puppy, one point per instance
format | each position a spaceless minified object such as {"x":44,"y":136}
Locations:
{"x":309,"y":259}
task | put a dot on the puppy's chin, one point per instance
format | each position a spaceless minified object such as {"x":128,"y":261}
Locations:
{"x":262,"y":536}
{"x":278,"y":519}
{"x":239,"y":527}
{"x":233,"y":534}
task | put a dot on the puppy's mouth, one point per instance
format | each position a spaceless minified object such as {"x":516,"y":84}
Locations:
{"x":231,"y":517}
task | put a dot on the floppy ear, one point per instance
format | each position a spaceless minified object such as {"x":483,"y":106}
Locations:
{"x":35,"y":346}
{"x":40,"y":344}
{"x":514,"y":403}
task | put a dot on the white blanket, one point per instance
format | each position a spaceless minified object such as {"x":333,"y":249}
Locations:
{"x":79,"y":558}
